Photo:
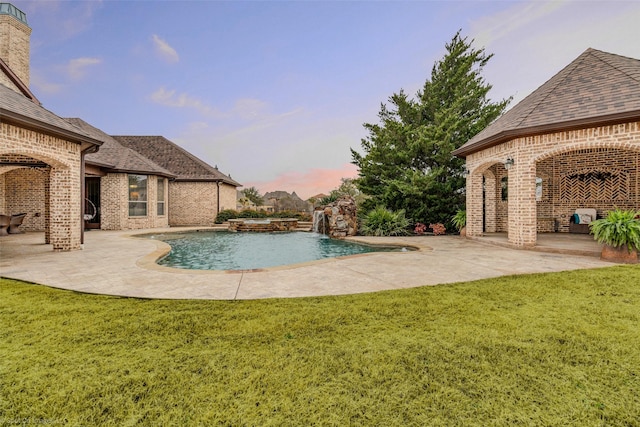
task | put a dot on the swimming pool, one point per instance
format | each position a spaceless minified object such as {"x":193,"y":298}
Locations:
{"x":221,"y":250}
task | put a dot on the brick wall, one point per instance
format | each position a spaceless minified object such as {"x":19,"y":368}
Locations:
{"x":193,"y":203}
{"x":228,"y":196}
{"x":62,"y":185}
{"x":573,"y":166}
{"x":24,"y":191}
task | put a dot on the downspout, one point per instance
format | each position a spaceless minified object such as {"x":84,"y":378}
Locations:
{"x":218,"y":197}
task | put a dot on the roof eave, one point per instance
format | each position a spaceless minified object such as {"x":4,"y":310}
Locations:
{"x":507,"y":135}
{"x":46,"y":128}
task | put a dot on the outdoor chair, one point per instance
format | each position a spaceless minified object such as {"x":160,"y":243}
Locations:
{"x":5,"y":222}
{"x":16,"y":221}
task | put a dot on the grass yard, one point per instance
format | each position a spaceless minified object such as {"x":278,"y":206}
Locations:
{"x":560,"y":349}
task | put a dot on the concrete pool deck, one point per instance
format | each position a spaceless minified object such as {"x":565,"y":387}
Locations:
{"x":120,"y":264}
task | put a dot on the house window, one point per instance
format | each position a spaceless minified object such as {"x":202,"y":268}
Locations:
{"x":504,"y":188}
{"x":137,"y":195}
{"x":160,"y":196}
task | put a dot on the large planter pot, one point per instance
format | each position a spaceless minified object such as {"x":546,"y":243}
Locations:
{"x":463,"y":232}
{"x":619,"y":254}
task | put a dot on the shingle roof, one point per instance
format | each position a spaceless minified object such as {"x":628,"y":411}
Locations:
{"x":174,"y":158}
{"x":116,"y":157}
{"x":595,"y":89}
{"x":17,"y":108}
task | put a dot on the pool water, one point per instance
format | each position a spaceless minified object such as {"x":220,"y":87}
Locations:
{"x":219,"y":250}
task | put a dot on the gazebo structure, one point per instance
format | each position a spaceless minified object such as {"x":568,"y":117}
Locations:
{"x":573,"y":143}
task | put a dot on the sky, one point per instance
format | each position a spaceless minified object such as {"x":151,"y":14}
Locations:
{"x":275,"y":93}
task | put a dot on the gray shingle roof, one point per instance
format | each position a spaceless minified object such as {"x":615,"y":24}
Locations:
{"x":17,"y":108}
{"x":116,"y":157}
{"x":595,"y":89}
{"x":174,"y":158}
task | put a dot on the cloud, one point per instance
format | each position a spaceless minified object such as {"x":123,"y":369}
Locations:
{"x":64,"y":19}
{"x":546,"y":36}
{"x":306,"y":184}
{"x":501,"y":25}
{"x":42,"y":85}
{"x":164,"y":50}
{"x":77,"y":68}
{"x":171,"y":98}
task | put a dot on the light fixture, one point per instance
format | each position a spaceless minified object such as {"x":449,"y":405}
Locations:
{"x":465,"y":173}
{"x":508,"y":163}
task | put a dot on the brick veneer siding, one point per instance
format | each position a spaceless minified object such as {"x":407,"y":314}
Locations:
{"x":192,"y":203}
{"x":551,"y":157}
{"x":114,"y":201}
{"x":228,"y":196}
{"x":62,"y":209}
{"x":14,"y":46}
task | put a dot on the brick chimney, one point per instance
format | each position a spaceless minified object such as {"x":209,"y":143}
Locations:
{"x":15,"y":40}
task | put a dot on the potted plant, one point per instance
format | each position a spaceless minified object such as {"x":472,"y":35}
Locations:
{"x":459,"y":221}
{"x":619,"y":231}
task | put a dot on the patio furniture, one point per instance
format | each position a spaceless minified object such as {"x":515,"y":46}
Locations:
{"x":16,"y":221}
{"x":580,"y":220}
{"x":5,"y":221}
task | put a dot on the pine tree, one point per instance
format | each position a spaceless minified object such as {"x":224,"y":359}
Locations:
{"x":407,"y":161}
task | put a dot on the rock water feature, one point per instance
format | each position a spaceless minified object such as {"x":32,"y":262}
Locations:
{"x":337,"y":219}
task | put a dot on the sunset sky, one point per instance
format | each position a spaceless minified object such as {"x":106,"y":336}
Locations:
{"x":275,"y":92}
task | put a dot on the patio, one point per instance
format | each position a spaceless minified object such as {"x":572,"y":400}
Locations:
{"x":117,"y":263}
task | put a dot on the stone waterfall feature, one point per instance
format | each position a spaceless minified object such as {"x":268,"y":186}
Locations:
{"x":337,"y":219}
{"x":319,"y":222}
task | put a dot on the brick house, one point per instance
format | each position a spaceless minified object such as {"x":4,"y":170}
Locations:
{"x":123,"y":189}
{"x":573,"y":143}
{"x":56,"y":169}
{"x":197,"y":192}
{"x":41,"y":154}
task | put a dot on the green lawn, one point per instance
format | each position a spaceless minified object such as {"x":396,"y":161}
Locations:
{"x":559,"y":349}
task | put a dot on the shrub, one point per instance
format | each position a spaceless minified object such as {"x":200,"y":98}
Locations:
{"x":384,"y":222}
{"x":226,"y":215}
{"x":619,"y":228}
{"x":459,"y":220}
{"x":419,"y":228}
{"x":437,"y":228}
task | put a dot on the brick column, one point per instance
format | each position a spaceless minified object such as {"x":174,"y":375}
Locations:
{"x":65,"y":213}
{"x":47,"y":208}
{"x":522,"y":203}
{"x":474,"y":205}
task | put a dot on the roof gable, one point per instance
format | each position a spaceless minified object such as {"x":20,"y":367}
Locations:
{"x":596,"y":88}
{"x":174,"y":158}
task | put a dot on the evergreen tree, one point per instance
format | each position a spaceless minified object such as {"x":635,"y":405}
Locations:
{"x":407,"y":161}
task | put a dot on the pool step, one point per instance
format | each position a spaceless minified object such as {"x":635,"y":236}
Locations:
{"x":223,"y":226}
{"x":304,"y":226}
